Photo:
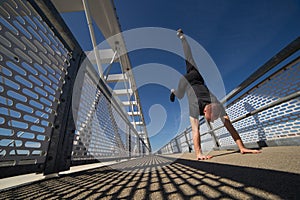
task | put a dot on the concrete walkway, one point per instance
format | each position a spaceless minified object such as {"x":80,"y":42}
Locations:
{"x":273,"y":174}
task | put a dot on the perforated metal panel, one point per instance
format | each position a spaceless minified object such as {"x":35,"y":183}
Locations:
{"x":277,"y":122}
{"x":102,"y":133}
{"x":33,"y":67}
{"x":93,"y":125}
{"x":184,"y":142}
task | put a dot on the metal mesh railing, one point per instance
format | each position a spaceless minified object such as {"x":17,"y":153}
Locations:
{"x":103,"y":131}
{"x":39,"y":60}
{"x":279,"y":121}
{"x":32,"y":74}
{"x":269,"y":111}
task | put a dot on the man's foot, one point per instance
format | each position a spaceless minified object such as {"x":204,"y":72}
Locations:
{"x":244,"y":151}
{"x":203,"y":157}
{"x":180,"y":33}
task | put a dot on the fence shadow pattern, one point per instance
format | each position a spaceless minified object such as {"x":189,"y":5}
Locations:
{"x":164,"y":178}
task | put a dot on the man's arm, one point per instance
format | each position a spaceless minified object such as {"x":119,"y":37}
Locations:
{"x":181,"y":88}
{"x":236,"y":137}
{"x":228,"y":125}
{"x":179,"y":93}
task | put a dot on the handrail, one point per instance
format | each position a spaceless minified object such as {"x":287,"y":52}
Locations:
{"x":263,"y":108}
{"x":274,"y":61}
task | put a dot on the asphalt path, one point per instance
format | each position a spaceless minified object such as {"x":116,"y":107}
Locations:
{"x":273,"y":174}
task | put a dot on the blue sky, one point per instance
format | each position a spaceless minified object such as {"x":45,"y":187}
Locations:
{"x":238,"y":35}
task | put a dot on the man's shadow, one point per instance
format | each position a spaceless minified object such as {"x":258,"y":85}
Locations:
{"x":261,"y":133}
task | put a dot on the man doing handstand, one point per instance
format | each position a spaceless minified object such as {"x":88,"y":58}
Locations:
{"x":202,"y":102}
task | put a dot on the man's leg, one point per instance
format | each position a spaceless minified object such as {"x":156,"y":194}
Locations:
{"x":186,"y":48}
{"x":197,"y":140}
{"x":236,"y":137}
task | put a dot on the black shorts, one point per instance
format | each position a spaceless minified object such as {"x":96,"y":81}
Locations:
{"x":194,"y":109}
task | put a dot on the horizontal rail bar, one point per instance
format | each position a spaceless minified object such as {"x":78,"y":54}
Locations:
{"x":263,"y":108}
{"x":291,"y":63}
{"x":274,"y":61}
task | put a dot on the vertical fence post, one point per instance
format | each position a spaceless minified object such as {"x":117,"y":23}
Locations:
{"x":171,"y":146}
{"x":178,"y":146}
{"x":129,"y":142}
{"x":212,"y":133}
{"x":138,"y":145}
{"x":61,"y":142}
{"x":187,"y":141}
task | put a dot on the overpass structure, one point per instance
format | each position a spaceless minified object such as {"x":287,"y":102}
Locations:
{"x":58,"y":111}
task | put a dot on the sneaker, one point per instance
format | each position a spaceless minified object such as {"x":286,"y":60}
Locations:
{"x":180,"y":33}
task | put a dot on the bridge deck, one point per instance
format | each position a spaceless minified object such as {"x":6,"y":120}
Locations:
{"x":274,"y":174}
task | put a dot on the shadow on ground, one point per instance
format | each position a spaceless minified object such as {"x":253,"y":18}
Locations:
{"x":163,"y":178}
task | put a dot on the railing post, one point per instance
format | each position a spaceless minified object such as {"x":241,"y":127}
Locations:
{"x":138,"y":145}
{"x":178,"y":146}
{"x":171,"y":146}
{"x":61,"y":141}
{"x":62,"y":136}
{"x":212,"y":133}
{"x":187,"y":142}
{"x":129,"y":142}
